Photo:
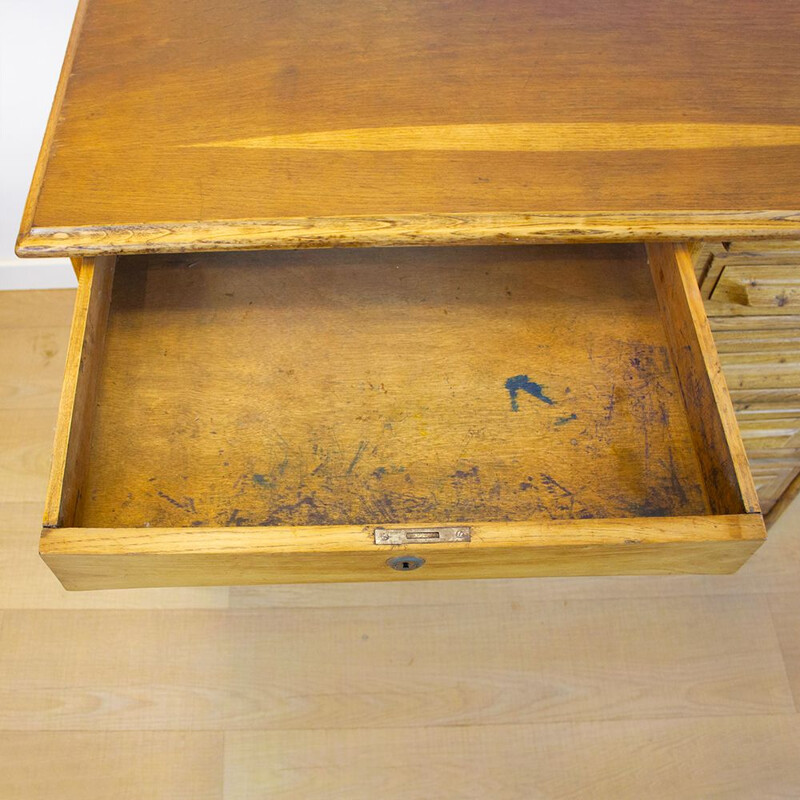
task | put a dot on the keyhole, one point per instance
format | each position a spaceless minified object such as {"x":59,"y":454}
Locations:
{"x":405,"y":563}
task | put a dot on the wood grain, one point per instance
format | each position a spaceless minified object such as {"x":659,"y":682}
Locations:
{"x":97,"y":765}
{"x":258,"y":125}
{"x":91,"y":558}
{"x":25,"y":450}
{"x":785,"y":609}
{"x":713,"y":423}
{"x":765,"y":287}
{"x":77,"y":406}
{"x":785,"y":500}
{"x":32,"y":366}
{"x":317,"y":668}
{"x":772,"y":477}
{"x":737,"y":758}
{"x":387,"y":386}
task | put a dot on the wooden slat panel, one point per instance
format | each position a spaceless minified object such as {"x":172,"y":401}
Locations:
{"x":774,"y":288}
{"x":779,"y":338}
{"x":762,"y":370}
{"x":764,"y":432}
{"x":764,"y":246}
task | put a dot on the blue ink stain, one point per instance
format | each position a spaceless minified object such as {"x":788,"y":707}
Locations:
{"x":565,"y":420}
{"x":521,"y":383}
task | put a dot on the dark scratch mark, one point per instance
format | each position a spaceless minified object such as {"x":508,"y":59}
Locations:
{"x":565,"y":420}
{"x":611,"y":402}
{"x":362,"y":446}
{"x":188,"y":505}
{"x":287,"y":511}
{"x":552,"y":484}
{"x":235,"y":519}
{"x":521,"y":383}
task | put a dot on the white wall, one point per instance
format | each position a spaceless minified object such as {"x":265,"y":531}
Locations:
{"x":33,"y":38}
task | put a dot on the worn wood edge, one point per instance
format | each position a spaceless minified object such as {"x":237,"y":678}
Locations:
{"x":351,"y":538}
{"x":76,"y":406}
{"x":715,"y":431}
{"x":405,"y":229}
{"x":127,"y":558}
{"x":784,"y":501}
{"x":55,"y":110}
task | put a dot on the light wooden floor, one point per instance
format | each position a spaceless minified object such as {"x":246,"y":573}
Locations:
{"x":681,"y":687}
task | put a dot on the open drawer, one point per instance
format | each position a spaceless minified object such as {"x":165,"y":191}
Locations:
{"x":343,"y":415}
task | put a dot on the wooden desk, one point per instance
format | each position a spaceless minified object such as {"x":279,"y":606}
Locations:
{"x":529,"y":410}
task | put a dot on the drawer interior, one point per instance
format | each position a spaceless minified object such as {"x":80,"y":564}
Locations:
{"x":279,"y":391}
{"x":355,"y":387}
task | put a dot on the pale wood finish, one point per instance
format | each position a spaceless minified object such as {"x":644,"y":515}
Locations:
{"x":251,"y":124}
{"x":477,"y":386}
{"x":164,"y":765}
{"x":738,"y":758}
{"x":564,"y":688}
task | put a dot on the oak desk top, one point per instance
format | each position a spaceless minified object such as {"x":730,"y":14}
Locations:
{"x":201,"y":124}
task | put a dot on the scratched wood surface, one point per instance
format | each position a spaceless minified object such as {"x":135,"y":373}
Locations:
{"x":195,"y":124}
{"x":361,"y":387}
{"x":611,"y":688}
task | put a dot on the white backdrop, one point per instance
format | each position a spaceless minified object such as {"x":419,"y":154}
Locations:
{"x":33,"y":38}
